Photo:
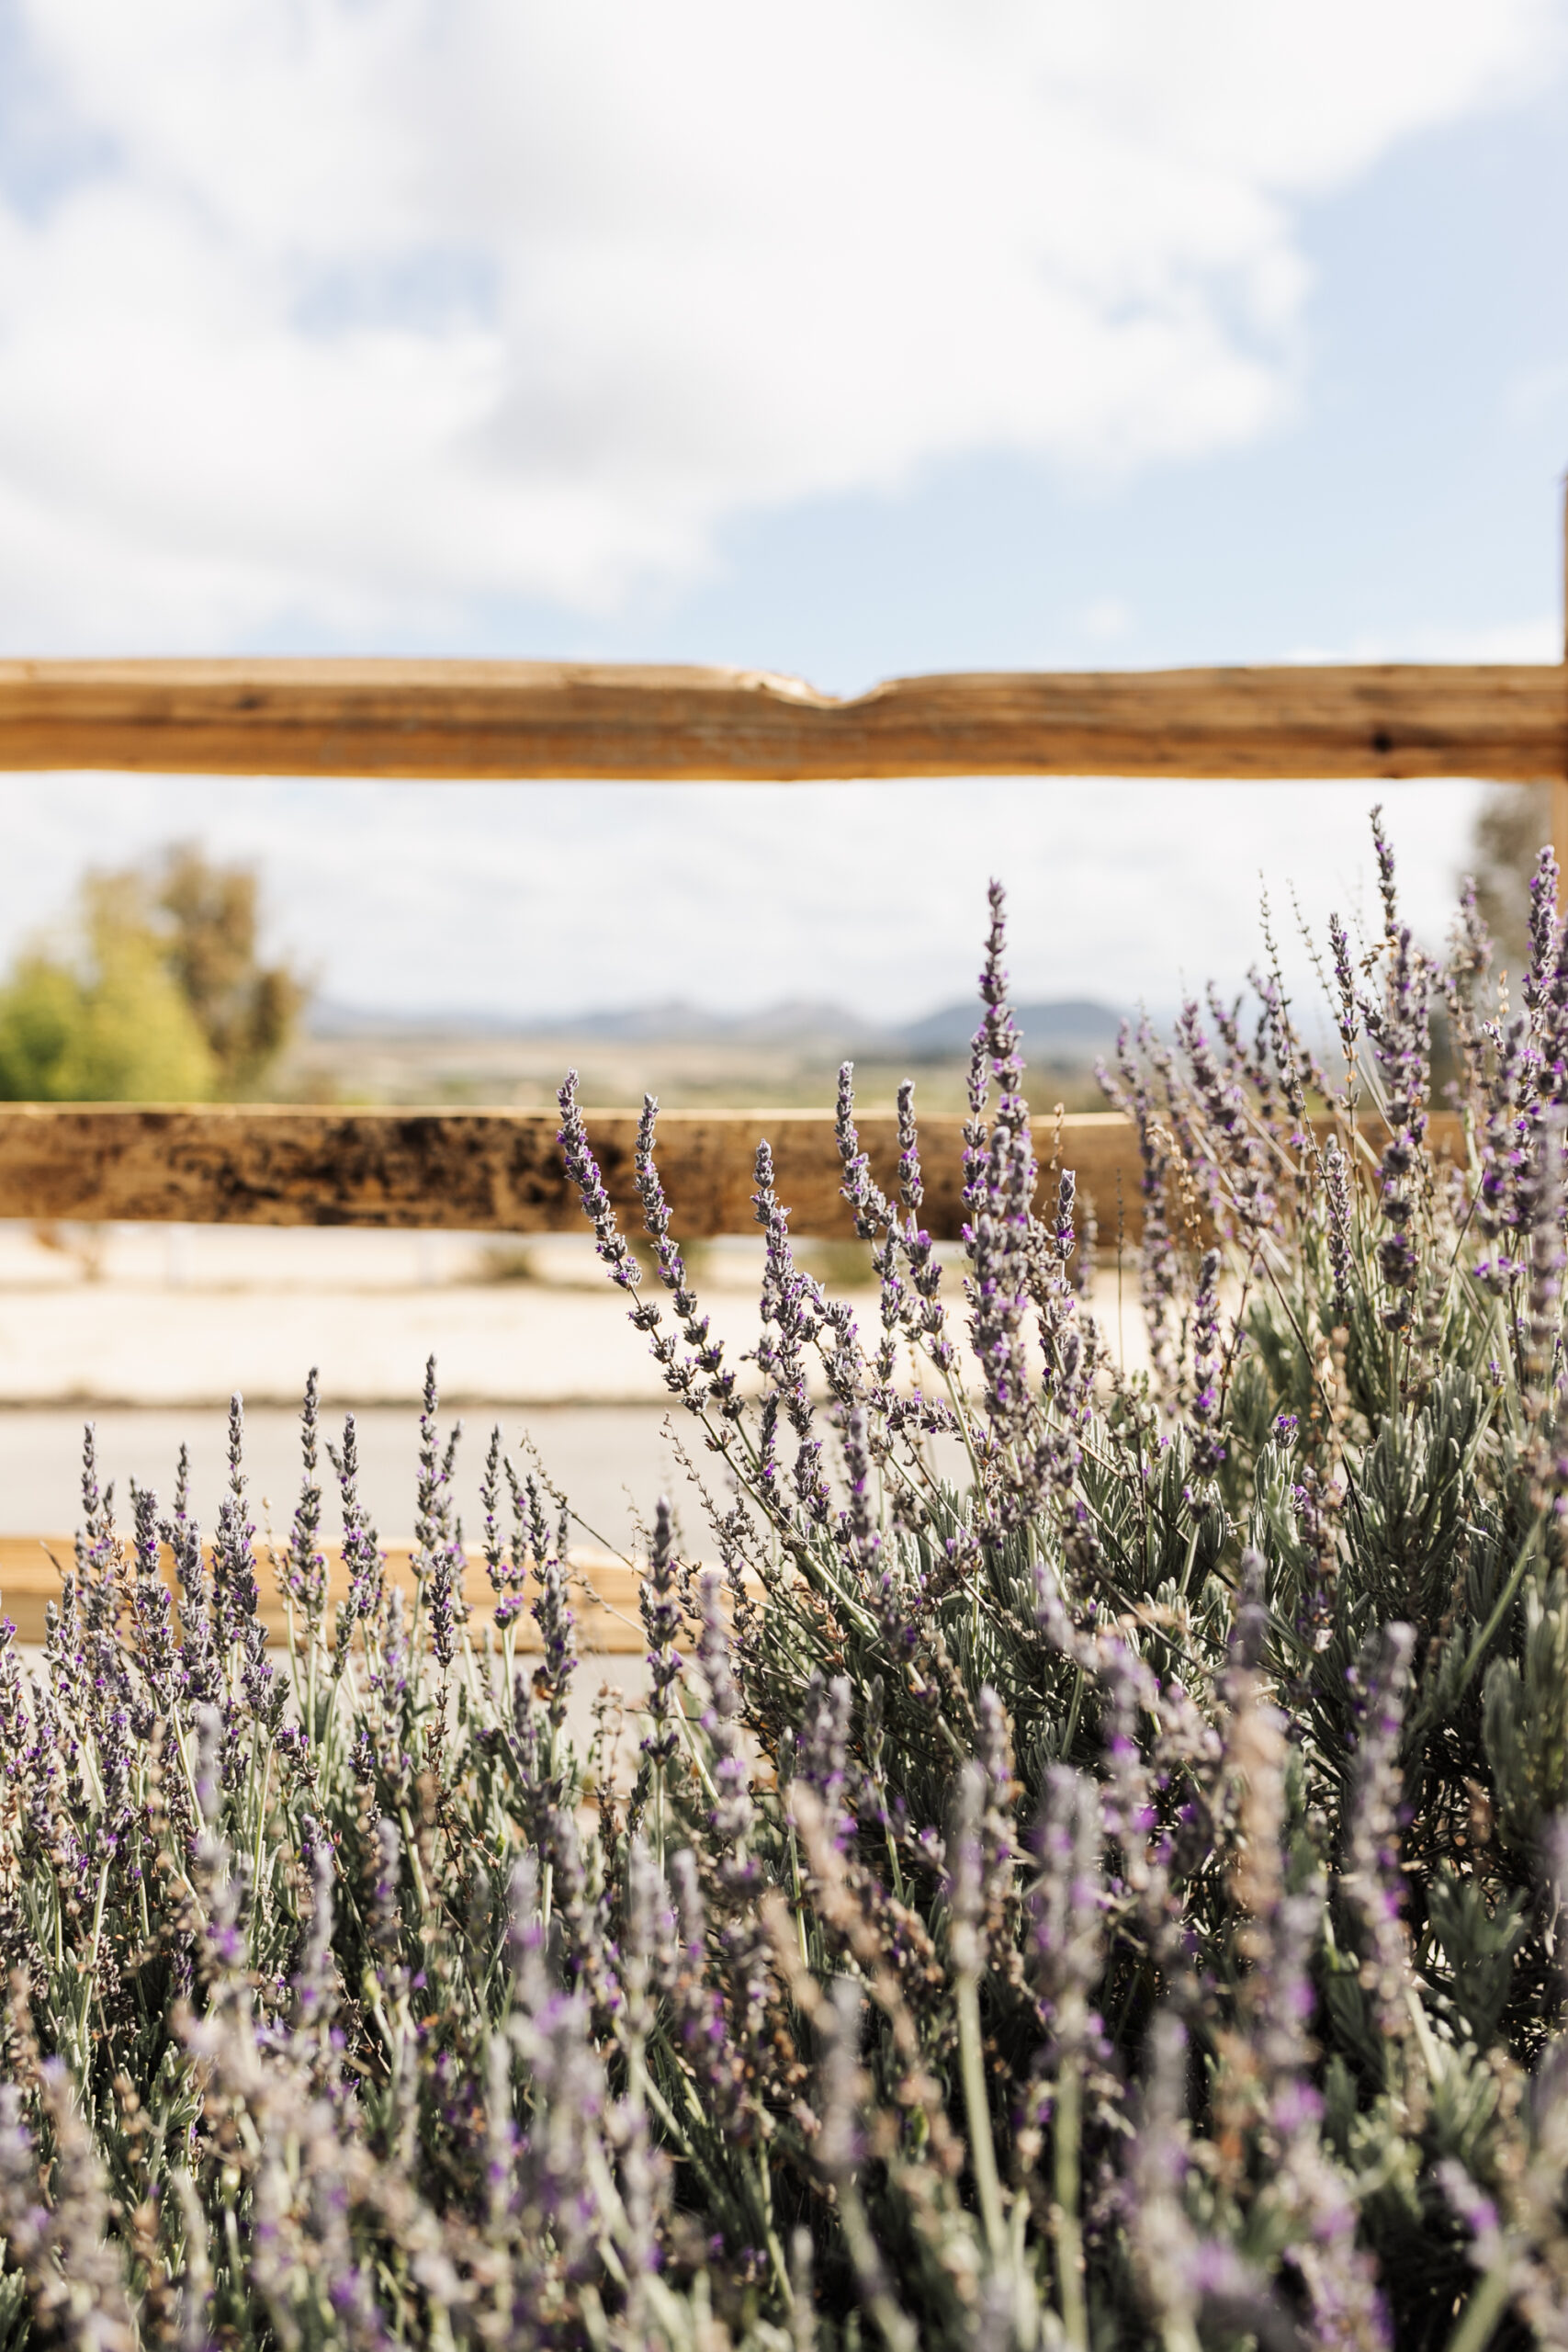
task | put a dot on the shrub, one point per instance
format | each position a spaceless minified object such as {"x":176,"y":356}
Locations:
{"x":208,"y":918}
{"x":161,"y":997}
{"x":110,"y":1025}
{"x":1113,"y":1900}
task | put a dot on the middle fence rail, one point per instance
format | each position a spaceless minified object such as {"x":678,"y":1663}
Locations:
{"x":500,"y":1171}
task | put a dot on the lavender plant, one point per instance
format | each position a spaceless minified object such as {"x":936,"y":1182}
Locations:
{"x":1112,"y":1897}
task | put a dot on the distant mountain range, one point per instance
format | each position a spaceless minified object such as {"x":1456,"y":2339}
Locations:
{"x":1069,"y":1030}
{"x":1064,"y":1029}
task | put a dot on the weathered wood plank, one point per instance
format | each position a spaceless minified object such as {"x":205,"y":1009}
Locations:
{"x":604,"y":1592}
{"x":495,"y":1171}
{"x":1505,"y":720}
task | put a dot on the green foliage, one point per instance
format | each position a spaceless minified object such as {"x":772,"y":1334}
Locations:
{"x":246,"y":1010}
{"x":161,"y":998}
{"x":112,"y":1025}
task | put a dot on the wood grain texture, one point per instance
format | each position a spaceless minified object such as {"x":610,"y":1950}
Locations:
{"x":1505,"y":720}
{"x":603,"y":1593}
{"x":497,"y":1172}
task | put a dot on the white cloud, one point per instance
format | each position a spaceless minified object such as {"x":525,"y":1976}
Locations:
{"x":343,"y":316}
{"x":1539,"y":639}
{"x":554,"y":898}
{"x":1106,"y":619}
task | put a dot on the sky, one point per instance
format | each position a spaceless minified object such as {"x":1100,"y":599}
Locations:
{"x":852,"y":342}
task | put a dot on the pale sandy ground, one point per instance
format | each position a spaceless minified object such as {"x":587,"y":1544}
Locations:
{"x":149,"y":1330}
{"x":149,"y":1315}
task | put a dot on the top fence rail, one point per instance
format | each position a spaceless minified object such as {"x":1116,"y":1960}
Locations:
{"x":517,"y":720}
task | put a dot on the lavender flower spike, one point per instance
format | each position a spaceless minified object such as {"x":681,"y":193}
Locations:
{"x":1208,"y":1448}
{"x":1371,"y":1882}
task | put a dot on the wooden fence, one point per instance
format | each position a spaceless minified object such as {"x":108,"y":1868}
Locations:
{"x":500,"y":1170}
{"x":513,"y":720}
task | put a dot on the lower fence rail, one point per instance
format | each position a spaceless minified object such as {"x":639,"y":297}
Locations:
{"x":603,"y":1593}
{"x":500,"y":1171}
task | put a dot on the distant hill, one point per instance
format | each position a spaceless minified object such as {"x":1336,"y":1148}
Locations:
{"x":1060,"y":1029}
{"x":800,"y":1022}
{"x":1070,"y":1029}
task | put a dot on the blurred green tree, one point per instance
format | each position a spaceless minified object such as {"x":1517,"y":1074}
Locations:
{"x":246,"y":1010}
{"x":159,"y":996}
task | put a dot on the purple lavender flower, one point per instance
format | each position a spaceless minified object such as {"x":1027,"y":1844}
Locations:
{"x":1341,"y":1260}
{"x":701,"y":1381}
{"x":583,"y":1170}
{"x":700,"y":2026}
{"x":731,"y":1816}
{"x":200,"y":1672}
{"x":552,"y":1612}
{"x":1371,"y":1880}
{"x":233,"y":1552}
{"x":1234,"y":1167}
{"x":16,"y":1716}
{"x":1065,"y":1903}
{"x":821,"y":1752}
{"x":305,"y":1568}
{"x":438,"y":1560}
{"x":385,"y":1922}
{"x":1399,"y":1030}
{"x":96,"y":1546}
{"x":507,"y":1567}
{"x":910,"y":1304}
{"x":1543,"y":1318}
{"x":1464,"y":976}
{"x":555,"y":2186}
{"x":660,"y":1610}
{"x":1546,"y":942}
{"x":1348,"y":1008}
{"x":62,"y":2244}
{"x":1208,"y":1448}
{"x":869,"y":1202}
{"x":925,"y":1267}
{"x":362,"y":1555}
{"x":791,"y":1312}
{"x":840,"y":2148}
{"x":999,"y":1191}
{"x":315,"y":1975}
{"x":1129,"y":1092}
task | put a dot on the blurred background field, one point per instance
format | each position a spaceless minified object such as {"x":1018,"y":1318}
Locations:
{"x":786,"y":1056}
